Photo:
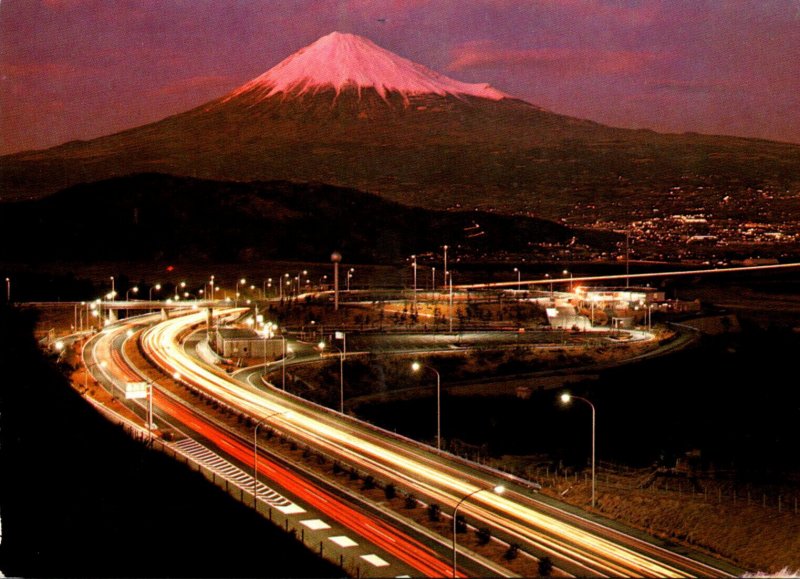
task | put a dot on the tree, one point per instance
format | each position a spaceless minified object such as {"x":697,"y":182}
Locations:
{"x":434,"y":512}
{"x":545,"y":567}
{"x":511,"y":552}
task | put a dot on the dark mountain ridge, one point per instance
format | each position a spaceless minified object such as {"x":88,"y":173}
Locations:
{"x":156,"y":216}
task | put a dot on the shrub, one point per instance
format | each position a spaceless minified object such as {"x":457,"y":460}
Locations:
{"x":461,"y":524}
{"x":484,"y":535}
{"x":434,"y":512}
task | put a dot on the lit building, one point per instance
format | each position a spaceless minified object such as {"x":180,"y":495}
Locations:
{"x":246,"y":343}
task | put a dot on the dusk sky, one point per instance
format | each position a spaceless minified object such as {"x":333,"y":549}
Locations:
{"x":79,"y":69}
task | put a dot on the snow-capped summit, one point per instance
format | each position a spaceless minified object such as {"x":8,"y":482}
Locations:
{"x":341,"y":60}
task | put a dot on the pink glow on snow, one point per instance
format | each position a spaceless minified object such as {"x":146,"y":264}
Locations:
{"x":341,"y":60}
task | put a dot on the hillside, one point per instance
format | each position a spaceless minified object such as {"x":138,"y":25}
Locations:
{"x":154,"y":216}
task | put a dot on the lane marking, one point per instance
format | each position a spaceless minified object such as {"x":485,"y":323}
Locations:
{"x":375,"y":560}
{"x":343,"y":541}
{"x":315,"y":524}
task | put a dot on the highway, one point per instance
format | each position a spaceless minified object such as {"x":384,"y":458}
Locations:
{"x":578,"y":546}
{"x":320,"y":508}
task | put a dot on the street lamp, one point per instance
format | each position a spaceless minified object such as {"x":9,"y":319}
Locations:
{"x":416,"y":367}
{"x":350,"y":273}
{"x":255,"y":453}
{"x":343,"y":352}
{"x":236,"y":296}
{"x":286,"y":351}
{"x":519,"y":273}
{"x":272,"y":330}
{"x":8,"y":290}
{"x":565,"y":399}
{"x":113,"y":293}
{"x":499,"y":489}
{"x":451,"y":301}
{"x":304,"y":273}
{"x":134,"y":289}
{"x":102,"y":364}
{"x":336,"y":258}
{"x":414,"y":266}
{"x":150,"y":423}
{"x":445,"y":264}
{"x":156,"y":287}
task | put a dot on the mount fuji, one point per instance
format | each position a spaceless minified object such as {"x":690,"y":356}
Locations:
{"x":343,"y":61}
{"x":347,"y":112}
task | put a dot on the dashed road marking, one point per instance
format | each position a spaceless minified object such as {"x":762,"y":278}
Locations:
{"x":375,"y":560}
{"x":343,"y":541}
{"x":316,"y":524}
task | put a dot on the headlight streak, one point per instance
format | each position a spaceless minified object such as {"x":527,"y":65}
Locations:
{"x":410,"y":551}
{"x":591,"y":552}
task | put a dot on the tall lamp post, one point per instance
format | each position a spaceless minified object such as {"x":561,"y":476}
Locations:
{"x":416,"y":367}
{"x":156,"y":287}
{"x":286,"y":351}
{"x":255,"y":464}
{"x":236,"y":295}
{"x":135,"y":290}
{"x":565,"y":273}
{"x":113,"y":292}
{"x":102,"y":364}
{"x":414,"y":267}
{"x":255,"y":454}
{"x":499,"y":489}
{"x":451,"y":301}
{"x":336,"y":258}
{"x":342,"y":353}
{"x":519,"y":274}
{"x":445,"y":264}
{"x":8,"y":290}
{"x":565,"y":399}
{"x":150,"y":424}
{"x":300,"y":277}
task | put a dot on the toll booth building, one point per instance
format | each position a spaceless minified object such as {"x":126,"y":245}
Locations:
{"x":246,"y":343}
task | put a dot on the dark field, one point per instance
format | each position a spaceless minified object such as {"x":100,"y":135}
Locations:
{"x":80,"y":498}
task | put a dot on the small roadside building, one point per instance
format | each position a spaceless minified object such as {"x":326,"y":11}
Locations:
{"x":246,"y":343}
